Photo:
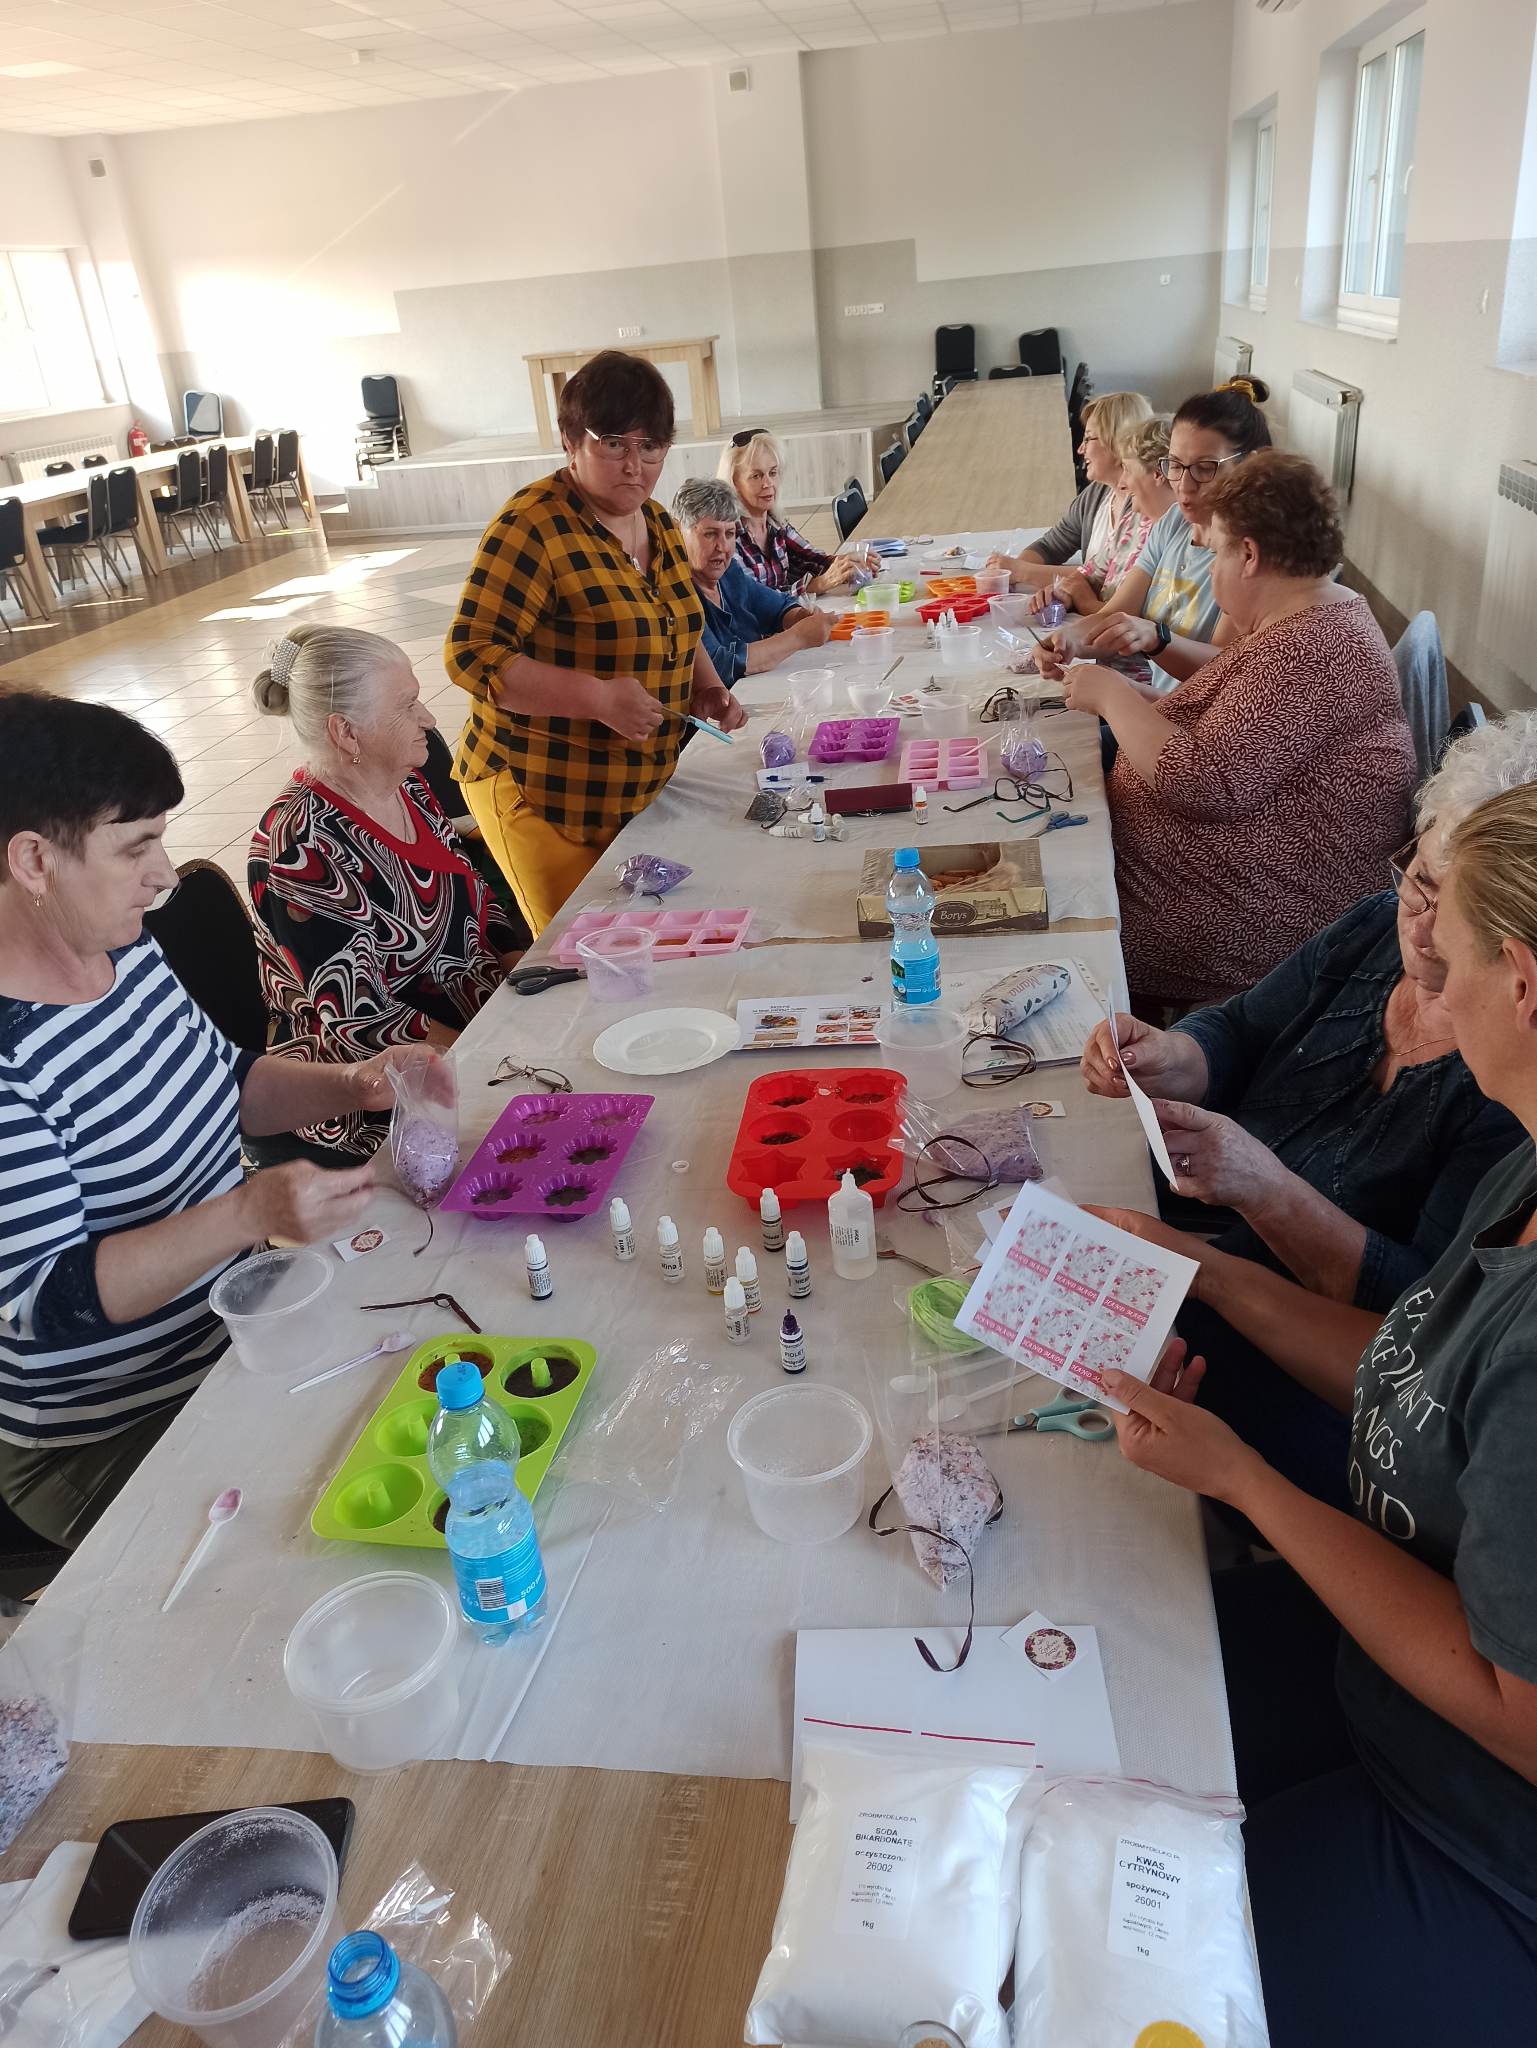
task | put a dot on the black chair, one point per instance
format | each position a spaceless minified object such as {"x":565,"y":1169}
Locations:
{"x":923,"y":404}
{"x":955,"y":354}
{"x":216,"y":478}
{"x":62,"y":534}
{"x":892,"y":461}
{"x":14,"y":575}
{"x":849,"y":507}
{"x":103,"y":524}
{"x":204,"y":931}
{"x":94,"y":462}
{"x":187,"y":506}
{"x":261,"y":480}
{"x":1008,"y":370}
{"x":437,"y":771}
{"x":1040,"y":352}
{"x":202,"y":414}
{"x":1080,"y":391}
{"x":286,"y":481}
{"x":381,"y":436}
{"x":1469,"y":719}
{"x":27,"y":1561}
{"x":914,"y":426}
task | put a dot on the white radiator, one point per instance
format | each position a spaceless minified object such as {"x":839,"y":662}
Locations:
{"x":27,"y":463}
{"x":1234,"y":358}
{"x":1322,"y":426}
{"x":1507,"y":619}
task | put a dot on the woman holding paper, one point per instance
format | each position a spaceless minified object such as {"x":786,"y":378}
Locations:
{"x":1382,"y":1672}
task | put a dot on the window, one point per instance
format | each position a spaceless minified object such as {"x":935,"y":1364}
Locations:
{"x":1387,"y":107}
{"x":47,"y":362}
{"x":1259,"y":237}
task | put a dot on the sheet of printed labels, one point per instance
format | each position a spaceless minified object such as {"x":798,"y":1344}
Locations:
{"x":1070,"y":1296}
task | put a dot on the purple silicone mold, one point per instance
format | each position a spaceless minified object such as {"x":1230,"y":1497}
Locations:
{"x":554,"y":1156}
{"x":854,"y":739}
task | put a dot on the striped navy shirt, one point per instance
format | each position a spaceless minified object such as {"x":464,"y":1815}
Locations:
{"x":113,"y":1113}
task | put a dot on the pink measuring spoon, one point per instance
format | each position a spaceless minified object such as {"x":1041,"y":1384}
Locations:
{"x":224,"y":1509}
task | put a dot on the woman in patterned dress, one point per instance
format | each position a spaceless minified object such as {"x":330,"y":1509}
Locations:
{"x":1262,"y":797}
{"x":373,"y":928}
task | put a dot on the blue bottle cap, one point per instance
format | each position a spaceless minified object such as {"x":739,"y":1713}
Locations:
{"x":362,"y":1975}
{"x":906,"y":857}
{"x":460,"y":1384}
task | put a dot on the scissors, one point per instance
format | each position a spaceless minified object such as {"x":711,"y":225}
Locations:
{"x":1074,"y":1417}
{"x":533,"y":981}
{"x":1057,"y":822}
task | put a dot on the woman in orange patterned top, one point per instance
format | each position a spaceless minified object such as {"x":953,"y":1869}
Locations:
{"x":1259,"y":800}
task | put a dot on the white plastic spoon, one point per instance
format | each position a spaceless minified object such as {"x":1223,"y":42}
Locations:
{"x":397,"y":1340}
{"x":224,"y":1509}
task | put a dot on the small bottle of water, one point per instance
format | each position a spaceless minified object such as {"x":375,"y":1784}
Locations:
{"x":914,"y":949}
{"x":473,"y":1450}
{"x":374,"y":2000}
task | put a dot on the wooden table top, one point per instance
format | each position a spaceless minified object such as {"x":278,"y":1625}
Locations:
{"x":993,"y":455}
{"x":42,"y":490}
{"x":631,"y":348}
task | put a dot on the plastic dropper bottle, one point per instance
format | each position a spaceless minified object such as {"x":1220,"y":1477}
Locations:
{"x":851,"y":1225}
{"x":797,"y":1267}
{"x":670,"y":1249}
{"x":738,"y":1322}
{"x":540,"y":1284}
{"x":771,"y":1216}
{"x":747,"y":1273}
{"x":621,"y":1229}
{"x":714,"y":1261}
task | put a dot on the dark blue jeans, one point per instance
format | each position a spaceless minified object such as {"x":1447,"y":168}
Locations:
{"x":1368,"y":1934}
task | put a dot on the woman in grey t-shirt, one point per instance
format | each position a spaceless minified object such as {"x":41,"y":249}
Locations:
{"x":1392,"y":1829}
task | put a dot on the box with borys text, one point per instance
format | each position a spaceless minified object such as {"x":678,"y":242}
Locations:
{"x":982,"y":887}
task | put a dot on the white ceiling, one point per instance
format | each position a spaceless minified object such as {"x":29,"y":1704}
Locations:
{"x":140,"y":64}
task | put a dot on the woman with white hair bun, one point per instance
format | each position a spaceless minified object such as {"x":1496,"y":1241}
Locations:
{"x":373,"y":927}
{"x":1330,"y":1108}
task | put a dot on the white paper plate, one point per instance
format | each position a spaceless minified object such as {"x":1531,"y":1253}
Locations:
{"x":665,"y":1041}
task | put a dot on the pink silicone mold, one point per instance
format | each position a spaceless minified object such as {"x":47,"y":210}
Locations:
{"x":553,"y":1156}
{"x":944,"y":764}
{"x":680,"y":934}
{"x":854,"y":739}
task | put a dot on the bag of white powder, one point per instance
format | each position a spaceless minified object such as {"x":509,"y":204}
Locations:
{"x":1133,"y":1915}
{"x":900,"y":1901}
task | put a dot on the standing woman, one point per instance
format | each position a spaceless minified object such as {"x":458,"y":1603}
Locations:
{"x":768,"y":547}
{"x":578,"y":638}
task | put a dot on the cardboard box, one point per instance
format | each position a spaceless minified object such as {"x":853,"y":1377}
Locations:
{"x":981,"y":887}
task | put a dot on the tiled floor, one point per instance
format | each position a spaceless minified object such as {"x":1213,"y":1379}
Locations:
{"x":184,"y":666}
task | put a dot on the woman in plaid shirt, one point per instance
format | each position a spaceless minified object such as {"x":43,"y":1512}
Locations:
{"x":578,"y":638}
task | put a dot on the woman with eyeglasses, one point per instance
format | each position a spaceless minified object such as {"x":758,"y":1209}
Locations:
{"x":1330,"y":1111}
{"x":1164,"y":608}
{"x":1259,"y":800}
{"x":767,"y":546}
{"x":1381,"y":1666}
{"x":1142,"y":449}
{"x":579,"y":640}
{"x":1088,"y":529}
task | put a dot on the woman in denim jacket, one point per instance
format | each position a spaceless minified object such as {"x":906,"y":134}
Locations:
{"x":1328,"y":1109}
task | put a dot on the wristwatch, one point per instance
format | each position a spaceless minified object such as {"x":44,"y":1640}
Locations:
{"x":1164,"y":636}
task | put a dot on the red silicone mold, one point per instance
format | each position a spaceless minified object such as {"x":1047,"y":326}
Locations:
{"x":966,"y":609}
{"x":854,"y":739}
{"x":680,"y":934}
{"x":945,"y":764}
{"x":553,"y":1156}
{"x":801,"y":1131}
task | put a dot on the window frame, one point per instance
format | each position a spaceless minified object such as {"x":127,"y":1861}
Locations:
{"x":1259,"y":248}
{"x":53,"y":403}
{"x":1374,"y":312}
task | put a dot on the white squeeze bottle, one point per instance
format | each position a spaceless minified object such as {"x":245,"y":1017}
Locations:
{"x":851,"y":1225}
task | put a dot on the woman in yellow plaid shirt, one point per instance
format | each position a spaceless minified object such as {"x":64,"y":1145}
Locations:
{"x":578,"y":638}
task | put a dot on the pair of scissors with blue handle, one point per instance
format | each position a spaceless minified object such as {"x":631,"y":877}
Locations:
{"x":533,"y":981}
{"x":1060,"y":821}
{"x":1073,"y":1417}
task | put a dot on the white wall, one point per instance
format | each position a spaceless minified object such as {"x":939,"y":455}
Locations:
{"x":1439,"y":414}
{"x":38,"y":208}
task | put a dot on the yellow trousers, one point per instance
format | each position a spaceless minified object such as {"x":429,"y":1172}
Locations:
{"x":541,"y":863}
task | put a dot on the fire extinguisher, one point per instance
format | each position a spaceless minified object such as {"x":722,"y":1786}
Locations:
{"x":138,"y":440}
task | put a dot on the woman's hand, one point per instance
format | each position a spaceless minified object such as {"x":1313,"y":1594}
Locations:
{"x":716,"y":703}
{"x":998,"y":560}
{"x":626,"y":707}
{"x":1153,"y":1230}
{"x":304,"y":1204}
{"x":368,"y":1083}
{"x":1070,"y":587}
{"x":811,"y":629}
{"x":838,"y":574}
{"x":1165,"y":1432}
{"x":1216,"y":1160}
{"x":1088,"y":687}
{"x":1049,"y":657}
{"x":1120,"y":633}
{"x":1167,"y":1063}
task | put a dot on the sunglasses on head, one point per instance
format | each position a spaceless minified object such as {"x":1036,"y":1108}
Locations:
{"x":747,"y":434}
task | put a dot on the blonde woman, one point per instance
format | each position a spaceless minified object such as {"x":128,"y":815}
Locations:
{"x":1086,"y":526}
{"x":768,"y":547}
{"x":1147,"y":497}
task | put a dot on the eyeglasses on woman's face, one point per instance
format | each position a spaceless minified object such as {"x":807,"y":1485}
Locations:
{"x":1171,"y":469}
{"x":1417,"y":892}
{"x":615,"y":447}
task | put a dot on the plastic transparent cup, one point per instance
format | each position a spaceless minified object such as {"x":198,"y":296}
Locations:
{"x":370,"y":1661}
{"x":992,"y":582}
{"x":1013,"y":613}
{"x":869,"y":699}
{"x":961,"y":647}
{"x":925,"y":1046}
{"x":232,"y":1934}
{"x":881,"y":597}
{"x":944,"y":718}
{"x":874,"y":643}
{"x":271,"y":1307}
{"x":810,"y":689}
{"x":801,"y":1453}
{"x":618,"y":963}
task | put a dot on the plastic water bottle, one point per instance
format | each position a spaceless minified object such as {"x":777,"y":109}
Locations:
{"x":493,"y":1546}
{"x":914,"y":949}
{"x":374,"y":2000}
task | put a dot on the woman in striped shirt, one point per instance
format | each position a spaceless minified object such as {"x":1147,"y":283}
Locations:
{"x":121,"y":1191}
